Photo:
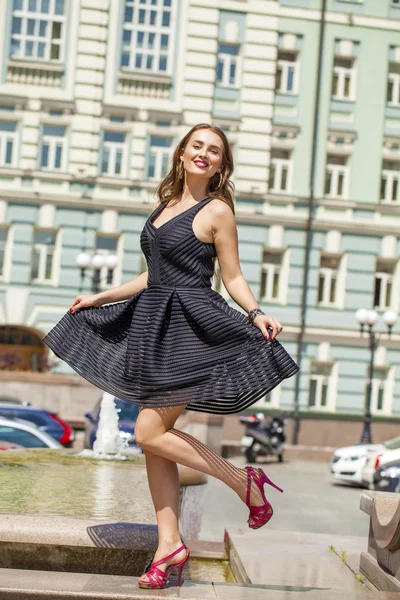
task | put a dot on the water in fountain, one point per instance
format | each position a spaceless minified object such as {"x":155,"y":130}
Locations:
{"x":108,"y":443}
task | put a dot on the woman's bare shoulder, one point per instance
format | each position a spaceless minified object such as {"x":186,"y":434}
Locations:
{"x":219,"y":209}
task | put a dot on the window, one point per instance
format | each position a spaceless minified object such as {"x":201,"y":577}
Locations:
{"x":287,"y":72}
{"x":280,"y":176}
{"x":159,"y":155}
{"x":3,"y":245}
{"x":393,"y":88}
{"x":21,"y":437}
{"x":337,"y":176}
{"x":37,"y":29}
{"x":381,"y":390}
{"x":228,"y":65}
{"x":321,"y":385}
{"x":107,"y":245}
{"x":113,"y":156}
{"x":8,"y":144}
{"x":53,"y":148}
{"x":390,"y":181}
{"x":271,"y":274}
{"x":329,"y":272}
{"x":344,"y":78}
{"x":385,"y":269}
{"x":44,"y":243}
{"x":147,"y":38}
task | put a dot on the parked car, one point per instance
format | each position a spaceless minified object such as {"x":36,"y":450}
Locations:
{"x":45,"y":420}
{"x":347,"y":463}
{"x":25,"y":434}
{"x":387,"y":477}
{"x":128,"y":413}
{"x":388,"y":452}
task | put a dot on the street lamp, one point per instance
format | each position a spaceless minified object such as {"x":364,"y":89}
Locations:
{"x":369,"y":318}
{"x":97,"y":262}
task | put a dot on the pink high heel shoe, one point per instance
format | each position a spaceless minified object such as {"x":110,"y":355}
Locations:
{"x":259,"y":515}
{"x":157,"y":579}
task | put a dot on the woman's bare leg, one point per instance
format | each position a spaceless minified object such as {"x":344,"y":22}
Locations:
{"x":164,"y":488}
{"x":154,"y":433}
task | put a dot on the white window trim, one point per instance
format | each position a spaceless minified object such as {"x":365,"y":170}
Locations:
{"x":335,"y":171}
{"x":156,"y":53}
{"x":341,"y":273}
{"x":55,"y":273}
{"x":390,"y":177}
{"x":395,"y":79}
{"x":341,"y":72}
{"x":50,"y":17}
{"x":332,"y":381}
{"x":285,"y":65}
{"x":5,"y":137}
{"x":7,"y":264}
{"x":271,"y":400}
{"x":395,"y":281}
{"x":159,"y":152}
{"x":388,"y":392}
{"x":113,"y":148}
{"x":280,"y":164}
{"x":270,"y":269}
{"x":117,"y":272}
{"x":228,"y":60}
{"x":53,"y":141}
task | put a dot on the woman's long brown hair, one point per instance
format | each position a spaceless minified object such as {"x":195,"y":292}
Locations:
{"x":171,"y":187}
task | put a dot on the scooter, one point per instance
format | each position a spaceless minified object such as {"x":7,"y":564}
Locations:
{"x":263,"y":436}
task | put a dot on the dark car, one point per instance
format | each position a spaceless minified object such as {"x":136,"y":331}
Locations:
{"x":43,"y":419}
{"x":127,"y":415}
{"x":387,"y":478}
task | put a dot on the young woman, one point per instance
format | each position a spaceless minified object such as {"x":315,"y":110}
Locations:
{"x":175,"y":344}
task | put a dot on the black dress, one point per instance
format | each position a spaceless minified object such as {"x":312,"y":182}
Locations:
{"x":176,"y":341}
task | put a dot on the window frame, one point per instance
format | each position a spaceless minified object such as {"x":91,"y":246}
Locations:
{"x":382,"y":385}
{"x":341,"y":73}
{"x":321,"y":380}
{"x":5,"y":264}
{"x":268,"y":273}
{"x":227,"y":61}
{"x":284,"y":65}
{"x":104,"y":271}
{"x":159,"y":153}
{"x":386,"y":279}
{"x":8,"y":136}
{"x":113,"y":148}
{"x":390,"y":179}
{"x":135,"y":28}
{"x":277,"y":168}
{"x":55,"y":258}
{"x":53,"y":142}
{"x":334,"y":171}
{"x":25,"y":15}
{"x":331,"y":275}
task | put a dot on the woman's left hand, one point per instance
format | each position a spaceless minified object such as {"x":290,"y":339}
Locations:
{"x":263,"y":322}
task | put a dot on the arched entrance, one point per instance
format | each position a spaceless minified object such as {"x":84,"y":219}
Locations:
{"x":22,"y":349}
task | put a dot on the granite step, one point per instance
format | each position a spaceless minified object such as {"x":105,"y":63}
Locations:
{"x":18,"y":584}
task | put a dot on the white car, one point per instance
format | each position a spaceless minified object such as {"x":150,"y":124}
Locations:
{"x":347,"y":464}
{"x":25,"y":434}
{"x":376,"y":458}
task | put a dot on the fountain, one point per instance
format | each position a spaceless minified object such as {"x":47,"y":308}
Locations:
{"x":108,"y":444}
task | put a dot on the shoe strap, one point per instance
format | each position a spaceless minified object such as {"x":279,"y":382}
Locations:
{"x":156,"y":577}
{"x":163,"y":560}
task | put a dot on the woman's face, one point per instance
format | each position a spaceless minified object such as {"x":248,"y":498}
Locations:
{"x":203,"y":155}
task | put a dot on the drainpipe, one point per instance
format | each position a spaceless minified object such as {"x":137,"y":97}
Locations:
{"x":309,"y":224}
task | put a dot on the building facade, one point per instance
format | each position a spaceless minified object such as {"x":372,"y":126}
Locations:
{"x":95,"y":94}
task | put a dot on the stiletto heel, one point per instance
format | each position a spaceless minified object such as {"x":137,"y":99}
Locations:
{"x":157,"y":579}
{"x":259,"y":515}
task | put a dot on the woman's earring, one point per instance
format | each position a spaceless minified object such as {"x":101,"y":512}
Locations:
{"x":220,"y":181}
{"x":181,"y":170}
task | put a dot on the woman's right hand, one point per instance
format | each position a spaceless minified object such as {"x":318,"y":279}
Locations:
{"x":85,"y":301}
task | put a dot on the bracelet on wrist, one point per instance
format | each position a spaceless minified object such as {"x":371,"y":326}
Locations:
{"x":253,"y":313}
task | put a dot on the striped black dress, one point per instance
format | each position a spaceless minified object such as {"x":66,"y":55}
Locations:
{"x":177,"y":341}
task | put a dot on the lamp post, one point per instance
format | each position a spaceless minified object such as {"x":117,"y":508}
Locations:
{"x":369,"y":318}
{"x":84,"y":260}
